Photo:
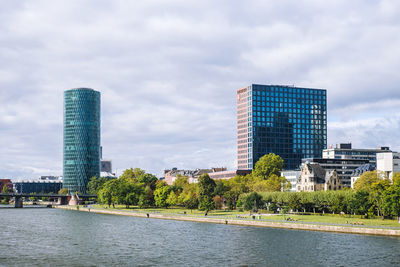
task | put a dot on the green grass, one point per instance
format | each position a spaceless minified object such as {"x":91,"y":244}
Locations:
{"x":317,"y":218}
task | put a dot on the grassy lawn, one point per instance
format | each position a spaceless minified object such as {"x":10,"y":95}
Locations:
{"x":317,"y":218}
{"x":335,"y":219}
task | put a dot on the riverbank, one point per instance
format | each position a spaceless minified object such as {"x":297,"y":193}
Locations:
{"x":235,"y":221}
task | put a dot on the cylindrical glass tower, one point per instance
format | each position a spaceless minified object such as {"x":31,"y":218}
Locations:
{"x":81,"y":138}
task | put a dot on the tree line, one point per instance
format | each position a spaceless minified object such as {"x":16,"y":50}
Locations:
{"x":135,"y":187}
{"x":373,"y":195}
{"x":264,"y":188}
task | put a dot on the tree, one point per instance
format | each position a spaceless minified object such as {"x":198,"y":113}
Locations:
{"x":63,"y":191}
{"x":206,"y":187}
{"x":391,"y":198}
{"x":238,"y":185}
{"x":221,"y":187}
{"x":107,"y":193}
{"x":268,"y":165}
{"x":132,"y":174}
{"x":147,"y":179}
{"x":95,"y":184}
{"x":160,"y":196}
{"x":396,"y":177}
{"x":274,"y":183}
{"x":191,"y":201}
{"x":294,"y":202}
{"x":253,"y":202}
{"x":172,"y":199}
{"x":147,"y":198}
{"x":360,"y":202}
{"x":366,"y":180}
{"x":377,"y":195}
{"x":181,"y":181}
{"x":218,"y":202}
{"x":5,"y":190}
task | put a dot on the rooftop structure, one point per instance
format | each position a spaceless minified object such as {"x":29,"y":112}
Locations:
{"x":359,"y":171}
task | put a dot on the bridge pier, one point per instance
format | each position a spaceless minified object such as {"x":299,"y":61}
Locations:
{"x":62,"y":200}
{"x":74,"y":200}
{"x":18,"y":202}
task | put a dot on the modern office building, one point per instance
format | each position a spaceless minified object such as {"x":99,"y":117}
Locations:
{"x":38,"y":186}
{"x":285,"y":120}
{"x":81,"y":138}
{"x":345,"y":151}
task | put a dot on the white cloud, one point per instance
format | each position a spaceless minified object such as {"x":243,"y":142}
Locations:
{"x":168,"y":73}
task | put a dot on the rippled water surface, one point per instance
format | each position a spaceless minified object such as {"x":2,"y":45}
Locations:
{"x":52,"y":237}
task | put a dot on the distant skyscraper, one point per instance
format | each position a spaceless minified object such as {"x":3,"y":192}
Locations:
{"x":288,"y":121}
{"x":81,"y":138}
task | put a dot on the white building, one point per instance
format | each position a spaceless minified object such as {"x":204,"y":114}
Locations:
{"x":345,"y":151}
{"x":388,"y":163}
{"x":292,"y":177}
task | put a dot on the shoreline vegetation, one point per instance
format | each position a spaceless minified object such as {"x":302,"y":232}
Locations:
{"x":260,"y":198}
{"x":327,"y":223}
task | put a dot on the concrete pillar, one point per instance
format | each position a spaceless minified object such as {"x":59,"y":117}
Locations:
{"x":18,"y":202}
{"x":62,"y":200}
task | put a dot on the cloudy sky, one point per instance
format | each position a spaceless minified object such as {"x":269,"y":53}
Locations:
{"x":168,"y":72}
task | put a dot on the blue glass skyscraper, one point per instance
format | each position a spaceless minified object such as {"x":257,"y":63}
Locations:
{"x":285,"y":120}
{"x":81,"y":138}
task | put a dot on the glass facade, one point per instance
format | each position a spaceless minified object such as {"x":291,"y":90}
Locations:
{"x":288,"y":121}
{"x":81,"y":138}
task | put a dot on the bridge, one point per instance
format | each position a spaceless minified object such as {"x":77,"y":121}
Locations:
{"x":61,"y":199}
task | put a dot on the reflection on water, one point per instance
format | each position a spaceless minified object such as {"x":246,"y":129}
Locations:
{"x":52,"y":237}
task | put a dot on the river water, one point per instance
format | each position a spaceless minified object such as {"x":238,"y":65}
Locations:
{"x":53,"y":237}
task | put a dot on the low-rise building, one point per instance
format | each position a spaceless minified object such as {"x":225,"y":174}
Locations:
{"x":388,"y":163}
{"x":315,"y":178}
{"x":38,"y":186}
{"x":108,"y":175}
{"x":220,"y":173}
{"x":344,"y":167}
{"x":193,"y":175}
{"x":226,"y":175}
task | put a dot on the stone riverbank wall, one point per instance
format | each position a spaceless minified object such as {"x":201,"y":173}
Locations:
{"x":258,"y":223}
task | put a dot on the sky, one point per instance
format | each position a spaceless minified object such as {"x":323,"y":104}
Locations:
{"x":168,"y":72}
